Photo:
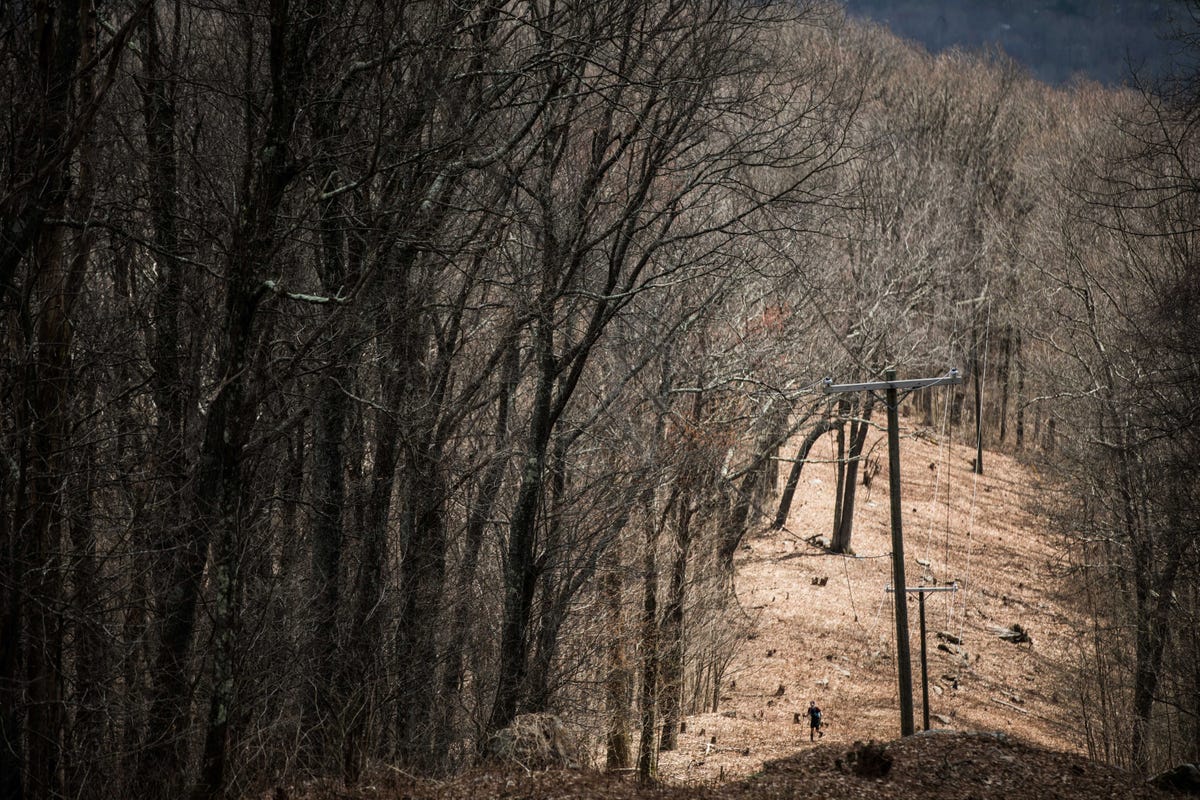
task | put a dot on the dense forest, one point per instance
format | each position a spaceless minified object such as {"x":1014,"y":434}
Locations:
{"x":375,"y":374}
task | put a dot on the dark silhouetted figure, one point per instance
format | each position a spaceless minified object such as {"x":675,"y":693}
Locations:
{"x":814,"y":721}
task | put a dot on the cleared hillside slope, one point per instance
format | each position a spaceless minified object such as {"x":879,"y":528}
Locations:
{"x":823,"y":629}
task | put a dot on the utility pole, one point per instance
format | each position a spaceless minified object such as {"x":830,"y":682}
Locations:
{"x":921,"y":591}
{"x":891,"y":386}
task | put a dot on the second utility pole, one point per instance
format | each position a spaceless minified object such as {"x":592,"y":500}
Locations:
{"x":903,"y":653}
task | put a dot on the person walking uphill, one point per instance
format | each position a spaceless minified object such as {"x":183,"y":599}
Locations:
{"x":814,"y":721}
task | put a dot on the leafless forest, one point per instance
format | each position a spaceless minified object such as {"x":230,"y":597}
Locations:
{"x":375,"y":373}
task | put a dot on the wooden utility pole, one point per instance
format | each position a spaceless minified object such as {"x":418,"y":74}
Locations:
{"x":891,"y":386}
{"x":921,"y":591}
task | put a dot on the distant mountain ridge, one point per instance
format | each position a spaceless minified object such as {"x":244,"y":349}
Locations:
{"x":1055,"y":39}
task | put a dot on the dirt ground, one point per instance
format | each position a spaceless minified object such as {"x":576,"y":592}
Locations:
{"x":824,"y":630}
{"x":943,"y":765}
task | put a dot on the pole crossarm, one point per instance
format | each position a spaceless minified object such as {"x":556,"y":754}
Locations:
{"x":951,"y":588}
{"x":950,"y":378}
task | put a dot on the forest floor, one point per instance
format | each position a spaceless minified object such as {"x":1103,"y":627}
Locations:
{"x":822,"y":628}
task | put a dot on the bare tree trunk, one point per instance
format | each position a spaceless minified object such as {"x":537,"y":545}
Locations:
{"x":957,"y":399}
{"x":673,"y":649}
{"x":225,"y":617}
{"x":843,"y":410}
{"x":556,"y":591}
{"x":925,"y":402}
{"x":42,"y":551}
{"x":422,"y":570}
{"x":618,"y":683}
{"x":91,"y":644}
{"x":328,"y":509}
{"x":976,"y":380}
{"x":91,"y":648}
{"x":1019,"y":358}
{"x":647,"y":752}
{"x":172,"y":404}
{"x":1193,"y":658}
{"x":329,"y":431}
{"x":366,"y":625}
{"x":12,"y":754}
{"x":1005,"y":381}
{"x":858,"y":439}
{"x":520,"y":568}
{"x":1155,"y":599}
{"x":789,"y":489}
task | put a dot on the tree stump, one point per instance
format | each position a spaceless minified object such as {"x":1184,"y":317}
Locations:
{"x":870,"y":760}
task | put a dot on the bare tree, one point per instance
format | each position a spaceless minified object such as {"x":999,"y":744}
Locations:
{"x":1130,"y":433}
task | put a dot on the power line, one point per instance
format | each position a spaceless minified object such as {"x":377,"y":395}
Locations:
{"x":891,"y":387}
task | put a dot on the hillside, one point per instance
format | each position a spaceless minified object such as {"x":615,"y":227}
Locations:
{"x":824,"y":629}
{"x":945,"y":766}
{"x":1003,"y":713}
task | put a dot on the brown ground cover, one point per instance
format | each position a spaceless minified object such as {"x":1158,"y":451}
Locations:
{"x":946,"y":766}
{"x":823,"y":624}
